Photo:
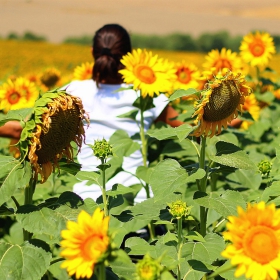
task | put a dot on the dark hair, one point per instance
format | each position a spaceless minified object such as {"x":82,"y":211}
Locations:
{"x":110,"y":43}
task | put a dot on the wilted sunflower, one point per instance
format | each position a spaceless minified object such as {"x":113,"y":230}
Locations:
{"x":224,"y":59}
{"x":17,"y":94}
{"x":147,"y":72}
{"x":83,"y":72}
{"x":219,"y":103}
{"x":256,"y":49}
{"x":57,"y":120}
{"x":255,"y":241}
{"x":187,"y":76}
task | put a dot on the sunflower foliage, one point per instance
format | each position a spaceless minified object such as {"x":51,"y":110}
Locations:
{"x":215,"y":183}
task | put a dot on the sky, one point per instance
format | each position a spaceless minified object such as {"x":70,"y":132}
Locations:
{"x":59,"y":19}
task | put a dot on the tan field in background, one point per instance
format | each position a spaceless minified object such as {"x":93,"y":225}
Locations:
{"x":59,"y":19}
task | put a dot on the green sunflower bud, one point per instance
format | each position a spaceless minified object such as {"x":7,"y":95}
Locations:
{"x":148,"y":269}
{"x":265,"y":167}
{"x":179,"y":209}
{"x":102,"y":149}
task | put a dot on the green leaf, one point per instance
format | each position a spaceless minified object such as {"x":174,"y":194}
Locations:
{"x":4,"y":211}
{"x":195,"y":236}
{"x":182,"y":92}
{"x":18,"y":177}
{"x":91,"y":176}
{"x":167,"y":177}
{"x":225,"y":204}
{"x":46,"y":221}
{"x":120,"y":189}
{"x":271,"y":193}
{"x":183,"y":131}
{"x":69,"y":167}
{"x":144,"y":173}
{"x":163,"y":133}
{"x":138,"y":246}
{"x":144,"y":104}
{"x":122,"y":144}
{"x":130,"y":115}
{"x":15,"y":115}
{"x":231,"y":155}
{"x":23,"y":262}
{"x":207,"y":251}
{"x":122,"y":265}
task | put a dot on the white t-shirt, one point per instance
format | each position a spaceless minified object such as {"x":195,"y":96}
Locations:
{"x":104,"y":105}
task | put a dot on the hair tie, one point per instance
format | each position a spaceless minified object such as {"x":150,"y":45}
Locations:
{"x":106,"y":51}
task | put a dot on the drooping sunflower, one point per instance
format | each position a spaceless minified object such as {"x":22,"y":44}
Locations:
{"x":255,"y":241}
{"x":17,"y":94}
{"x":187,"y":76}
{"x":147,"y":72}
{"x":219,"y":103}
{"x":85,"y":243}
{"x":57,"y":120}
{"x":225,"y":58}
{"x":257,"y":49}
{"x":83,"y":71}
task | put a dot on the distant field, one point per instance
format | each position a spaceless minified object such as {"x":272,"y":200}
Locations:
{"x":22,"y":58}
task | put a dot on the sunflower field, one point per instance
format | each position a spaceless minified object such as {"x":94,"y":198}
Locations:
{"x":212,"y":183}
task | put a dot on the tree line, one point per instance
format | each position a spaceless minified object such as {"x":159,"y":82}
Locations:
{"x":174,"y":42}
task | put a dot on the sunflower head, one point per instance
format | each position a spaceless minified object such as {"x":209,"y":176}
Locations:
{"x":254,"y":235}
{"x":148,"y":73}
{"x":57,"y":120}
{"x":187,"y":76}
{"x":17,"y":93}
{"x":220,"y":102}
{"x":85,"y":243}
{"x":83,"y":72}
{"x":50,"y":77}
{"x":256,"y":49}
{"x":222,"y":59}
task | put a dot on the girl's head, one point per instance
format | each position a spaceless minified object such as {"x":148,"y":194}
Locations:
{"x":110,"y":43}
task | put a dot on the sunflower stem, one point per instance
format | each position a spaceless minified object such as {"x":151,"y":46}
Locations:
{"x":101,"y":272}
{"x":104,"y":197}
{"x":202,"y":185}
{"x":179,"y":245}
{"x":28,"y":195}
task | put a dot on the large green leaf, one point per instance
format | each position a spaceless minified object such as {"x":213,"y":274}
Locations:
{"x":45,"y":221}
{"x":23,"y":262}
{"x":162,"y":133}
{"x":206,"y":252}
{"x":138,"y":246}
{"x":225,"y":204}
{"x":122,"y":265}
{"x":230,"y":155}
{"x":167,"y":177}
{"x":18,"y":177}
{"x":122,"y":144}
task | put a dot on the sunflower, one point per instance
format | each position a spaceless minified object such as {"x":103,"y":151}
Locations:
{"x":50,"y":77}
{"x":220,"y":102}
{"x":147,"y":72}
{"x":255,"y":237}
{"x":251,"y":105}
{"x":83,"y":72}
{"x":187,"y":76}
{"x":56,"y":121}
{"x":257,"y":49}
{"x":85,"y":243}
{"x":224,"y":59}
{"x":17,"y":94}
